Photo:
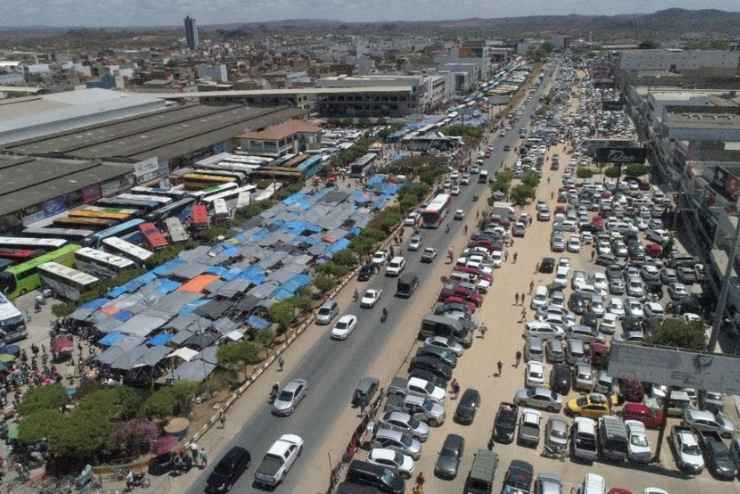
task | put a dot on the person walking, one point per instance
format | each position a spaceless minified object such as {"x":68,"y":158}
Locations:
{"x":500,"y":367}
{"x":516,"y":298}
{"x":531,"y":287}
{"x":221,"y":418}
{"x":203,"y":457}
{"x":518,"y":357}
{"x":515,"y":257}
{"x":281,"y":363}
{"x":522,"y":297}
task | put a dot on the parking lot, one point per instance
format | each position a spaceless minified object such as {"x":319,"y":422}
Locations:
{"x":591,"y":262}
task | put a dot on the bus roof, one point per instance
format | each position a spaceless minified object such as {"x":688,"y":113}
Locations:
{"x":117,"y":230}
{"x":170,"y":208}
{"x":199,"y":214}
{"x":229,"y":193}
{"x":68,"y":233}
{"x":439,"y":202}
{"x":153,"y":236}
{"x":127,"y":248}
{"x":146,"y":197}
{"x":37,"y":261}
{"x":42,"y":243}
{"x":104,"y":257}
{"x":68,"y":273}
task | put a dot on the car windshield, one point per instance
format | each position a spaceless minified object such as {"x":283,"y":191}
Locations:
{"x":406,"y":439}
{"x":691,"y":449}
{"x":342,"y":325}
{"x":558,"y":433}
{"x":324,"y":311}
{"x":582,"y":401}
{"x":639,"y":440}
{"x":413,"y":423}
{"x":224,"y":468}
{"x":370,"y":293}
{"x":285,"y":396}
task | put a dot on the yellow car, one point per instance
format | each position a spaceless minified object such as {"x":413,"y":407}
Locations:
{"x":593,"y":405}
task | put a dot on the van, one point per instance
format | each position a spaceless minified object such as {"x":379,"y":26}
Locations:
{"x":575,"y":351}
{"x":407,"y":284}
{"x":482,"y":472}
{"x":534,"y":349}
{"x":365,"y":390}
{"x":327,"y":312}
{"x":540,"y":297}
{"x":592,"y":484}
{"x":383,"y":478}
{"x":613,"y":438}
{"x":434,"y":325}
{"x":583,"y":439}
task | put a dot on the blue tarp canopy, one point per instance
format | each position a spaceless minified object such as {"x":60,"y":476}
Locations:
{"x":289,"y":288}
{"x":340,"y":244}
{"x":111,"y":338}
{"x":189,"y":308}
{"x":95,"y":304}
{"x":254,"y":274}
{"x":133,"y":285}
{"x":123,"y":315}
{"x":166,"y":285}
{"x":259,"y":234}
{"x":360,"y":197}
{"x":160,"y":340}
{"x":168,"y":267}
{"x":257,"y":323}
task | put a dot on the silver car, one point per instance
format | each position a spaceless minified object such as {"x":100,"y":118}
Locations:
{"x":420,"y":408}
{"x":289,"y":397}
{"x":404,"y":422}
{"x":541,"y":398}
{"x":548,"y":483}
{"x":398,"y":441}
{"x":583,"y":377}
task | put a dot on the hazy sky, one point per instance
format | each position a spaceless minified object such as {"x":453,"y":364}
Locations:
{"x":170,"y":12}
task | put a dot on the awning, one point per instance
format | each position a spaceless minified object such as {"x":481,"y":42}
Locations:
{"x":184,"y":353}
{"x":257,"y":323}
{"x":160,"y":340}
{"x":233,"y":335}
{"x":61,"y":343}
{"x":195,"y":371}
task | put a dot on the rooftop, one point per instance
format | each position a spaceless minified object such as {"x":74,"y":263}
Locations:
{"x":164,"y":134}
{"x":283,"y":130}
{"x":311,"y":91}
{"x":27,"y":181}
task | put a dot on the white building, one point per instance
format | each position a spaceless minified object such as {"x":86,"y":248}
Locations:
{"x":705,"y":63}
{"x":215,"y":72}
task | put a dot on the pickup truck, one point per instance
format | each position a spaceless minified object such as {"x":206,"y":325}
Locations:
{"x":278,"y":460}
{"x":505,"y":422}
{"x":417,"y":387}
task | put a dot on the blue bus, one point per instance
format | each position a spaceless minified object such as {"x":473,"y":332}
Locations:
{"x":114,"y":231}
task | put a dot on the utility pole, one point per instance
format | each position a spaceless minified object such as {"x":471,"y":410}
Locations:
{"x":719,"y":312}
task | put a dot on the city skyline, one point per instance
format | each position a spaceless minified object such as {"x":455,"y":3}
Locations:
{"x":135,"y":13}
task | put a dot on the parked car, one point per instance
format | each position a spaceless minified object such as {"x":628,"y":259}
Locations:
{"x":405,"y":423}
{"x":467,"y":407}
{"x":686,"y":449}
{"x":518,"y":477}
{"x":592,"y":405}
{"x":504,"y":424}
{"x":556,"y":434}
{"x":703,"y":420}
{"x":392,"y":459}
{"x":638,"y":448}
{"x":717,"y":456}
{"x":530,"y":422}
{"x":450,"y":456}
{"x":541,"y":398}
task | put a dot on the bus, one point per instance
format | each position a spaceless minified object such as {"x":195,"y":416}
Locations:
{"x":32,"y":243}
{"x":127,"y":203}
{"x":103,"y":215}
{"x":170,"y":209}
{"x":12,"y":321}
{"x":197,"y":181}
{"x":146,"y":197}
{"x":240,"y":176}
{"x":200,"y":194}
{"x":65,"y":282}
{"x":114,"y":231}
{"x":71,"y":234}
{"x":436,"y":211}
{"x":125,"y":248}
{"x":19,"y":255}
{"x":174,"y":192}
{"x":100,"y":263}
{"x":24,"y":278}
{"x":199,"y":217}
{"x":85,"y":224}
{"x":153,"y":236}
{"x":228,"y":195}
{"x":220,"y":211}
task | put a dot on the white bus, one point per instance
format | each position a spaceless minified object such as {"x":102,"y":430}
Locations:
{"x":125,"y":248}
{"x":220,"y":211}
{"x":145,"y":197}
{"x":31,"y":243}
{"x":228,"y":195}
{"x":205,"y":193}
{"x":65,"y":282}
{"x":102,"y":264}
{"x":12,"y":321}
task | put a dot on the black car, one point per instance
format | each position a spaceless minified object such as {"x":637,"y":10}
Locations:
{"x":366,"y":272}
{"x":467,"y":407}
{"x":429,"y":376}
{"x":519,"y":476}
{"x":228,"y":470}
{"x":718,"y":458}
{"x":577,"y":303}
{"x":560,"y":379}
{"x":449,"y":457}
{"x":446,"y":356}
{"x":382,"y":478}
{"x":432,"y":364}
{"x":614,"y":271}
{"x":504,"y":425}
{"x":547,"y":265}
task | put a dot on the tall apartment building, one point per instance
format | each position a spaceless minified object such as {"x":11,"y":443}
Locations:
{"x":191,"y":33}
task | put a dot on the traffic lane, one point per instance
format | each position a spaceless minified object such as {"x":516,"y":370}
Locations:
{"x":332,"y":368}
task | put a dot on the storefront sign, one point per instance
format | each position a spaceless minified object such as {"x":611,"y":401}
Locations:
{"x":621,"y":155}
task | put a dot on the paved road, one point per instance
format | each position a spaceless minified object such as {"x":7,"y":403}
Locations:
{"x":333,"y":368}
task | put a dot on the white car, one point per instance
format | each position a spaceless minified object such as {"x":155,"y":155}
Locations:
{"x":455,"y":191}
{"x":395,"y":267}
{"x":608,"y":323}
{"x":587,"y":238}
{"x":344,"y":327}
{"x":412,"y":219}
{"x":543,"y":330}
{"x":445,"y":343}
{"x":380,"y":257}
{"x":459,"y":214}
{"x":564,"y":262}
{"x":638,"y":448}
{"x":574,"y":245}
{"x":538,"y":300}
{"x":534,"y":374}
{"x":392,"y":459}
{"x":633,"y":308}
{"x":278,"y":460}
{"x":616,"y":307}
{"x":370,"y":297}
{"x":415,"y":243}
{"x":600,"y":283}
{"x":497,"y":258}
{"x":636,"y":288}
{"x":561,"y":279}
{"x":421,"y":387}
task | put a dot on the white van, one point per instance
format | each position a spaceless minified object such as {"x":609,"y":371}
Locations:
{"x":584,"y":439}
{"x":593,"y":484}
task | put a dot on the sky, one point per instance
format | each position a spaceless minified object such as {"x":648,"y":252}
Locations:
{"x":100,"y":13}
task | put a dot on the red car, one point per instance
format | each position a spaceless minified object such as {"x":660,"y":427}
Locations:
{"x":453,"y":299}
{"x":652,"y":419}
{"x":654,"y":250}
{"x":474,"y":271}
{"x":598,"y":223}
{"x":619,"y":490}
{"x":463,"y":292}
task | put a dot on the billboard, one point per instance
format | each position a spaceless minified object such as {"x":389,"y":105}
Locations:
{"x":612,"y":105}
{"x":674,"y":367}
{"x":621,"y":155}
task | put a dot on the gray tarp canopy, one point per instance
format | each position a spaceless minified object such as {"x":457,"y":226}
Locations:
{"x":273,"y":259}
{"x":233,"y":288}
{"x":264,"y":290}
{"x":191,"y":322}
{"x":81,"y":314}
{"x":214,"y":309}
{"x":224,"y":325}
{"x":189,"y":270}
{"x":128,"y":358}
{"x":247,"y":303}
{"x":142,"y":325}
{"x":196,"y":370}
{"x":181,"y":336}
{"x":171,"y":303}
{"x":104,"y":322}
{"x":200,"y":340}
{"x":152,"y":356}
{"x":122,"y":346}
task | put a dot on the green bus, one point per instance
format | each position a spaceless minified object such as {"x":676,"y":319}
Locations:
{"x":24,"y":278}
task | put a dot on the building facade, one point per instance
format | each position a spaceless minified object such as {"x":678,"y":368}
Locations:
{"x":191,"y":33}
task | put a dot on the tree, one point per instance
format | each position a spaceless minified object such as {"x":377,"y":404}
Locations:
{"x":283,"y":313}
{"x":531,"y":179}
{"x":51,"y":397}
{"x":521,"y":194}
{"x":135,"y":436}
{"x":34,"y":427}
{"x":547,"y":47}
{"x":636,"y":170}
{"x":612,"y":172}
{"x":584,"y":172}
{"x":345,"y":257}
{"x":243,"y":353}
{"x":681,"y":334}
{"x":324,"y":283}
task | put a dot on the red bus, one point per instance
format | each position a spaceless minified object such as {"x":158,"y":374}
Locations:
{"x":153,"y":236}
{"x":199,"y":216}
{"x":20,"y":254}
{"x":436,"y":211}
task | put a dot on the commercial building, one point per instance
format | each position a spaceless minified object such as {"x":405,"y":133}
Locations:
{"x":213,"y":72}
{"x":700,"y":63}
{"x":278,"y":140}
{"x":191,"y":33}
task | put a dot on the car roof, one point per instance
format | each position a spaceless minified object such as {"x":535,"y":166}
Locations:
{"x":234,"y":454}
{"x":346,"y":318}
{"x":280,"y":446}
{"x":383,"y":453}
{"x":453,"y":441}
{"x":696,"y":414}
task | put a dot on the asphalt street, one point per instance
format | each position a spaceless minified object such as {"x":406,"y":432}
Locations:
{"x":333,"y":368}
